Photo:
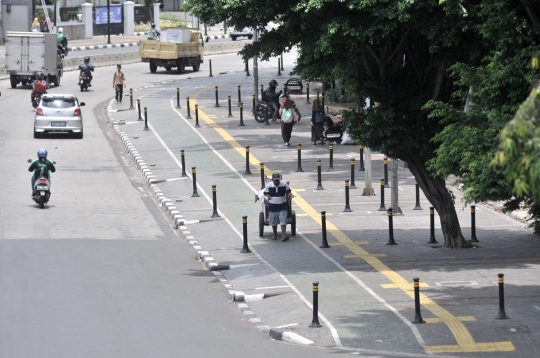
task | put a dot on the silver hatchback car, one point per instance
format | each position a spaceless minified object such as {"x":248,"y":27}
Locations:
{"x":58,"y":113}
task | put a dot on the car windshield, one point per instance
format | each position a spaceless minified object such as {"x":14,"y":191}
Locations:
{"x":58,"y":102}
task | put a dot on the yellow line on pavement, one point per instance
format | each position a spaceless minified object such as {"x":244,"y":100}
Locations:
{"x":462,"y":336}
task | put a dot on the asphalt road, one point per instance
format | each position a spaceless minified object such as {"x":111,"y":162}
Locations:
{"x":99,"y":271}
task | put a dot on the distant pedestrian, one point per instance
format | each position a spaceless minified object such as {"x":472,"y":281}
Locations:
{"x":161,"y":5}
{"x":277,"y":193}
{"x":288,"y":119}
{"x":317,"y":122}
{"x":119,"y":81}
{"x":44,"y":24}
{"x":35,"y":25}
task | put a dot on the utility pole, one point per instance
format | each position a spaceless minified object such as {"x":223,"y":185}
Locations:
{"x":255,"y":68}
{"x":108,"y":21}
{"x":394,"y":193}
{"x":368,"y":190}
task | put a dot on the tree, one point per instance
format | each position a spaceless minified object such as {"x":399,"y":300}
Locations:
{"x":405,"y":55}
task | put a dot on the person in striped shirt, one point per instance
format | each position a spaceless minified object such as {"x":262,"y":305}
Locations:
{"x":277,"y":192}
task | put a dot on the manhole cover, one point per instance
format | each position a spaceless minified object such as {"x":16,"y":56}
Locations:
{"x":456,"y":283}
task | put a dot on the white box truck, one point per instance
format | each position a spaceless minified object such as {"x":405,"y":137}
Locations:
{"x":31,"y":53}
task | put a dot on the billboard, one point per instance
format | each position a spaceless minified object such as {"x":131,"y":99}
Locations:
{"x":100,"y":15}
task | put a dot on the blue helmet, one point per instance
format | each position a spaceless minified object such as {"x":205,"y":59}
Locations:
{"x":42,"y":153}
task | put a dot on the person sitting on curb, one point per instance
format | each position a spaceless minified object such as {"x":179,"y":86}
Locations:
{"x":277,"y":192}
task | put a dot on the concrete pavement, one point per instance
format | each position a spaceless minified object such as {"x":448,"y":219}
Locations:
{"x":365,"y":286}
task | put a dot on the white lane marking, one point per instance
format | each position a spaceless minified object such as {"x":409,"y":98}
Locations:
{"x":538,"y":308}
{"x":271,"y":287}
{"x":400,"y":188}
{"x":287,"y":325}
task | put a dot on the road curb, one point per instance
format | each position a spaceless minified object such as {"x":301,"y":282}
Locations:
{"x":203,"y":256}
{"x":99,"y":47}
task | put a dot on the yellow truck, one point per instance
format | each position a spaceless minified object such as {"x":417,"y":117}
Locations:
{"x":173,"y":54}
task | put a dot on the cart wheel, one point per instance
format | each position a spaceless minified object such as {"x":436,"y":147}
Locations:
{"x":261,"y":224}
{"x":293,"y":224}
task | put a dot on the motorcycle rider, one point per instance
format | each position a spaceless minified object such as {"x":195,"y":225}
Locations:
{"x":61,"y":40}
{"x":39,"y":86}
{"x":152,"y":33}
{"x":42,"y":168}
{"x":272,"y":97}
{"x":87,"y":68}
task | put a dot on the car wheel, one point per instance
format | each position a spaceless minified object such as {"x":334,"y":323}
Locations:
{"x":153,"y":67}
{"x":233,"y":38}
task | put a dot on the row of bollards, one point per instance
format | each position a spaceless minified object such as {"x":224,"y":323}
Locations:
{"x":417,"y":312}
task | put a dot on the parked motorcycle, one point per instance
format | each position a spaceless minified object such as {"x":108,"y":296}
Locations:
{"x":260,"y":110}
{"x":42,"y":190}
{"x":84,"y":82}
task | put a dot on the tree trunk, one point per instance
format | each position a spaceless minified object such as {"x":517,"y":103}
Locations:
{"x":442,"y":200}
{"x":394,"y":192}
{"x":368,"y":190}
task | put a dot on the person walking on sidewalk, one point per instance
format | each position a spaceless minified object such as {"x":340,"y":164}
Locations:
{"x":119,"y":81}
{"x":272,"y":97}
{"x":277,"y":192}
{"x":288,"y":119}
{"x":317,"y":122}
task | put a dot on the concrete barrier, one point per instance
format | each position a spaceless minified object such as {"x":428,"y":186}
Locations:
{"x":72,"y":63}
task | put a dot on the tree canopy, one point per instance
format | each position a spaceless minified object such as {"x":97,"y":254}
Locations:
{"x":424,"y":62}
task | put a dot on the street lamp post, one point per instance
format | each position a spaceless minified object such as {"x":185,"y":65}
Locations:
{"x":108,"y":21}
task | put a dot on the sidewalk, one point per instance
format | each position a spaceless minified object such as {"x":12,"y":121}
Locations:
{"x":365,"y":290}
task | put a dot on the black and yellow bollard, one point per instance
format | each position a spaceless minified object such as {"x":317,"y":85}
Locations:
{"x":417,"y":315}
{"x":361,"y":166}
{"x":353,"y":185}
{"x":239,"y":96}
{"x":263,"y":179}
{"x":178,"y":98}
{"x":247,"y":171}
{"x":473,"y":224}
{"x":262,"y":91}
{"x":382,"y":207}
{"x":146,"y":120}
{"x":324,"y":244}
{"x":210,"y":65}
{"x":241,"y":124}
{"x":502,"y":313}
{"x":417,"y":205}
{"x":188,"y":110}
{"x":183,"y":160}
{"x":282,"y":62}
{"x":322,"y":102}
{"x":229,"y":104}
{"x":315,"y":321}
{"x":385,"y":161}
{"x":214,"y":202}
{"x":131,"y":99}
{"x":307,"y":94}
{"x":279,"y":67}
{"x":194,"y":176}
{"x":432,"y":226}
{"x":347,"y":206}
{"x":247,"y":69}
{"x":391,"y":240}
{"x":331,"y":165}
{"x":266,"y":114}
{"x":299,"y":149}
{"x":197,"y":116}
{"x":253,"y":104}
{"x":245,"y":247}
{"x":217,"y":94}
{"x":319,"y":175}
{"x":139,"y":110}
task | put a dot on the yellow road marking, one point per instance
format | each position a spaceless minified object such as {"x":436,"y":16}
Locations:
{"x":356,"y":242}
{"x":362,"y":256}
{"x":304,"y":214}
{"x":465,"y":341}
{"x":459,"y":318}
{"x":391,"y":285}
{"x":299,"y":190}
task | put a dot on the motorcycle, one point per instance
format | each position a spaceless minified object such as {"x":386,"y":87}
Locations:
{"x":260,"y":110}
{"x":62,"y":49}
{"x":42,"y":190}
{"x":84,"y":82}
{"x":36,"y":99}
{"x":333,"y":131}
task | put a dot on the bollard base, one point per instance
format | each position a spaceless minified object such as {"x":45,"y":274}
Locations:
{"x":188,"y":117}
{"x":474,"y":239}
{"x":432,"y":241}
{"x":247,"y":172}
{"x":347,"y":209}
{"x":330,"y":169}
{"x":241,"y":125}
{"x":418,"y":319}
{"x":230,"y":116}
{"x":319,"y":187}
{"x":417,"y":207}
{"x":146,"y":129}
{"x":195,"y":195}
{"x":299,"y":169}
{"x":325,"y":245}
{"x":502,"y":315}
{"x":184,"y":175}
{"x":215,"y":215}
{"x":386,"y":185}
{"x":361,"y":169}
{"x":382,"y":208}
{"x":391,"y":241}
{"x":352,"y":186}
{"x":315,"y":325}
{"x":245,"y":250}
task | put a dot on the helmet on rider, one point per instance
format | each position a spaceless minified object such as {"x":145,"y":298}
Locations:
{"x":42,"y":153}
{"x":153,"y":25}
{"x":86,"y":59}
{"x":40,"y":76}
{"x":60,"y":30}
{"x":273,"y":83}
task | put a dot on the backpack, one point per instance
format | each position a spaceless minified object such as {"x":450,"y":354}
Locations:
{"x":319,"y":118}
{"x":287,"y":115}
{"x":40,"y":87}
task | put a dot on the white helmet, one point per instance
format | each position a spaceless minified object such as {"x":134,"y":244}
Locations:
{"x":60,"y":29}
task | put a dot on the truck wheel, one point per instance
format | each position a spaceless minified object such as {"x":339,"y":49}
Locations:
{"x":233,"y":38}
{"x":250,"y":37}
{"x":13,"y":81}
{"x":180,"y":66}
{"x":196,"y":67}
{"x":56,"y":81}
{"x":168,"y":68}
{"x":153,"y":67}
